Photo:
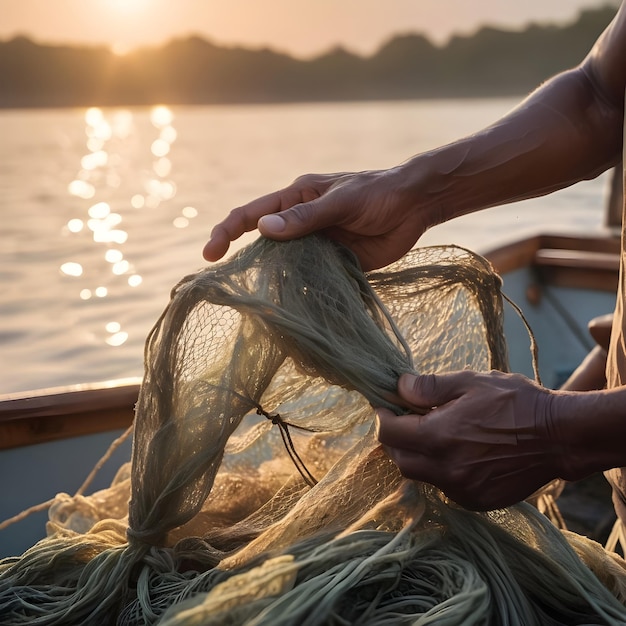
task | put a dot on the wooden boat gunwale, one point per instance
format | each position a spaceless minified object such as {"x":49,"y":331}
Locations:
{"x":44,"y":415}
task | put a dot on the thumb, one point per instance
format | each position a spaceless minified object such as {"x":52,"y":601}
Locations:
{"x":297,"y":221}
{"x":429,"y":390}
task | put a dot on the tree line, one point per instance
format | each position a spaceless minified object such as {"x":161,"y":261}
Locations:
{"x":490,"y":62}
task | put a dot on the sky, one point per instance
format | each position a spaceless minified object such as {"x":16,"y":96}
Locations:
{"x":302,"y":28}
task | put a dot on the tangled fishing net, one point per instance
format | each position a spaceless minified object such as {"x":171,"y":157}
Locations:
{"x":258,"y":491}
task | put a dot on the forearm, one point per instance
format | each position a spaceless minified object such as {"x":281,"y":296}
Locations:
{"x":590,"y":431}
{"x":564,"y":132}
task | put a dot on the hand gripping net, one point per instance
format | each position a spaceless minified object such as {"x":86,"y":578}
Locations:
{"x":258,"y":491}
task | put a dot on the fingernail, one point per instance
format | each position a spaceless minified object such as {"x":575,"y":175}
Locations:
{"x":274,"y":223}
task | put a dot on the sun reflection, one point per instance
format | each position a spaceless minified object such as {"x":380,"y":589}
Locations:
{"x":137,"y":201}
{"x":72,"y":268}
{"x":97,"y":125}
{"x":112,"y":219}
{"x":99,"y":211}
{"x":102,"y":131}
{"x":101,"y":179}
{"x":180,"y":222}
{"x":75,"y":225}
{"x":160,"y":189}
{"x":168,"y":134}
{"x":118,"y":336}
{"x":94,"y":160}
{"x":117,"y":339}
{"x":161,"y":116}
{"x":168,"y":190}
{"x":160,"y":148}
{"x":94,"y":144}
{"x":121,"y":267}
{"x":152,"y":202}
{"x":123,"y":124}
{"x":93,"y":116}
{"x":162,"y":167}
{"x":81,"y":189}
{"x":113,"y":256}
{"x":103,"y":235}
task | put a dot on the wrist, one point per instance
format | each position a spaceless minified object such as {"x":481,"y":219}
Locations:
{"x":420,"y":180}
{"x":455,"y":180}
{"x":589,"y":431}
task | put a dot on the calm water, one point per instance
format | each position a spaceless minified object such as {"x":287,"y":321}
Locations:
{"x":103,"y":211}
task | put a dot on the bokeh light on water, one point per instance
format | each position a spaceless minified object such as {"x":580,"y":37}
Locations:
{"x":111,"y":142}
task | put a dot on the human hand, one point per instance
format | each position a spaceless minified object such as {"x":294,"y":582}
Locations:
{"x":492,"y":439}
{"x":370,"y":212}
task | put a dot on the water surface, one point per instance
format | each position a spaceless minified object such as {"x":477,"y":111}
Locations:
{"x":103,"y":211}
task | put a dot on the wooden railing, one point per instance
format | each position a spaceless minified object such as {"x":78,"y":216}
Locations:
{"x":59,"y":413}
{"x":565,"y":261}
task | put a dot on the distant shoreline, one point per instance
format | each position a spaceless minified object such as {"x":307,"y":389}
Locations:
{"x":193,"y":71}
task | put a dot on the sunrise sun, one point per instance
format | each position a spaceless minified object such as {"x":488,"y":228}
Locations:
{"x":128,"y":6}
{"x":129,"y":15}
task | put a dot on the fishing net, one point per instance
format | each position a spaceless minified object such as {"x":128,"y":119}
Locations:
{"x":258,"y":493}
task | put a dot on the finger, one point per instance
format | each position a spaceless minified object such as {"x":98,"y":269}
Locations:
{"x":403,"y":431}
{"x":430,"y":390}
{"x":435,"y":471}
{"x":299,"y":220}
{"x":415,"y":466}
{"x":217,"y":246}
{"x":239,"y":221}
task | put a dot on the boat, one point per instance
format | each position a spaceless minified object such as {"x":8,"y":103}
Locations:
{"x":51,"y":439}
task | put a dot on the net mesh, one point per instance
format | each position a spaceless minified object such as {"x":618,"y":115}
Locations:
{"x":257,"y":491}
